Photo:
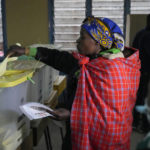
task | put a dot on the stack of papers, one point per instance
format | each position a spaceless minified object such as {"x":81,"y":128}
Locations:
{"x":35,"y":110}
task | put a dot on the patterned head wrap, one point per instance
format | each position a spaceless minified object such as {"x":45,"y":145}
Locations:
{"x":106,"y":32}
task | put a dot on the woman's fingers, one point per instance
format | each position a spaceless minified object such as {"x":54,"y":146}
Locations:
{"x":63,"y":114}
{"x":15,"y":50}
{"x":60,"y":114}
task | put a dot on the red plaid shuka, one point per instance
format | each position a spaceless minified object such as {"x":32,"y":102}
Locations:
{"x":101,"y":116}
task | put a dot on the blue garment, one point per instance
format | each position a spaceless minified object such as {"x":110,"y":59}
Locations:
{"x":106,"y":32}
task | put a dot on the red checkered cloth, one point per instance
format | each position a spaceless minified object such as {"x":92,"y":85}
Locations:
{"x":101,"y":117}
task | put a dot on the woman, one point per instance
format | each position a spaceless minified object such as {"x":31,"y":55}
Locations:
{"x":102,"y":85}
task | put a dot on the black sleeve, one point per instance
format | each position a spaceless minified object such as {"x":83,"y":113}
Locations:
{"x":60,"y":60}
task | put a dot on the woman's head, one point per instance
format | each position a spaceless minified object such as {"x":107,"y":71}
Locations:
{"x":86,"y":44}
{"x":99,"y":34}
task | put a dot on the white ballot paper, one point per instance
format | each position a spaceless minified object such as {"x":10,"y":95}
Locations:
{"x":35,"y":110}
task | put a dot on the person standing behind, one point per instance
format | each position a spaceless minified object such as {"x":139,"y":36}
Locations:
{"x":142,"y":42}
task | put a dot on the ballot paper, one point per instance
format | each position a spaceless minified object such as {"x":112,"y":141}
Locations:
{"x":35,"y":110}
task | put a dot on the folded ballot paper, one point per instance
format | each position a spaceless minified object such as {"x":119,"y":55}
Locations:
{"x":35,"y":110}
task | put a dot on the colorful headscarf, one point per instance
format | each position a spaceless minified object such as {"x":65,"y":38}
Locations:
{"x":106,"y":32}
{"x":117,"y":34}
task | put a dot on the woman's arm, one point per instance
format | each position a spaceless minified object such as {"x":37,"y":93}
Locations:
{"x":61,"y":60}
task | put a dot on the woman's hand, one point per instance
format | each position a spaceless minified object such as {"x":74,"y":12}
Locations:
{"x":16,"y":50}
{"x":61,"y":114}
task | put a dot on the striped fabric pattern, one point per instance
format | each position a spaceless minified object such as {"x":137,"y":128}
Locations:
{"x":101,"y":116}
